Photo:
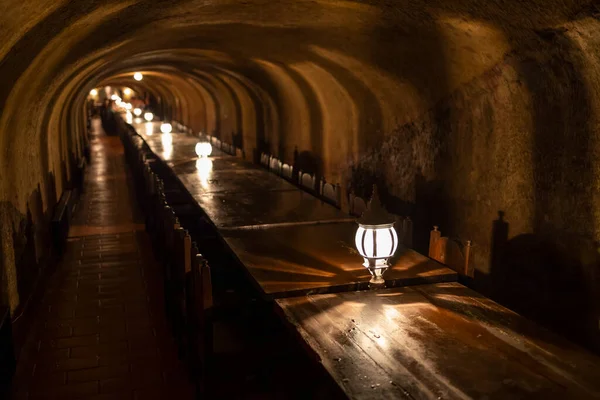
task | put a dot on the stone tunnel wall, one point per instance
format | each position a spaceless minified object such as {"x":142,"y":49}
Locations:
{"x":515,"y":147}
{"x":479,"y":118}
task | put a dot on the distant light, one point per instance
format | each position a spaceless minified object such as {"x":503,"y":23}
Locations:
{"x":127,"y":92}
{"x":137,"y":120}
{"x":127,"y":106}
{"x":148,"y":116}
{"x":115,"y":97}
{"x":203,"y":149}
{"x":94,"y":92}
{"x":166,"y":128}
{"x":137,"y":111}
{"x":138,"y":76}
{"x":129,"y":117}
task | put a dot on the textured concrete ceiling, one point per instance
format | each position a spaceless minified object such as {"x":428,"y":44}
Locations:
{"x":321,"y":67}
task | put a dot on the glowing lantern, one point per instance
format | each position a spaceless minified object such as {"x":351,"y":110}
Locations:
{"x":137,"y":112}
{"x":376,"y":239}
{"x":203,"y":149}
{"x":138,"y":76}
{"x":115,"y":97}
{"x":148,"y":116}
{"x":93,"y":92}
{"x":166,"y":128}
{"x":127,"y":92}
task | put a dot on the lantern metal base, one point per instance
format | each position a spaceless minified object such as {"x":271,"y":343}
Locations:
{"x":377,"y":268}
{"x":376,"y":282}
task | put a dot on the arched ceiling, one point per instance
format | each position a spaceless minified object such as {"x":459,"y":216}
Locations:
{"x":331,"y":78}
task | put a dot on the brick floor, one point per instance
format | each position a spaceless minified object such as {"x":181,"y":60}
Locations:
{"x":101,"y":332}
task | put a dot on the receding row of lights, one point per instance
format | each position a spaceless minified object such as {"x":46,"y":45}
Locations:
{"x":138,"y":76}
{"x":376,"y":239}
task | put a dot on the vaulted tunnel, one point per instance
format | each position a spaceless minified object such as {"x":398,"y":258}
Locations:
{"x":458,"y":109}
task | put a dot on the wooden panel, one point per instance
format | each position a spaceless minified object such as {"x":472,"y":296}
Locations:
{"x":440,"y":341}
{"x":450,"y":252}
{"x":299,"y":259}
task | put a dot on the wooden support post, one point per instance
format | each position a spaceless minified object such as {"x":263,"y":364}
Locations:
{"x":434,"y":236}
{"x":467,"y":253}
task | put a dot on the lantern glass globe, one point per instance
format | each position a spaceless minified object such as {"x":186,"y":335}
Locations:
{"x":137,"y":111}
{"x":138,"y":76}
{"x":377,"y":243}
{"x":203,"y":149}
{"x":148,"y":116}
{"x":376,"y":239}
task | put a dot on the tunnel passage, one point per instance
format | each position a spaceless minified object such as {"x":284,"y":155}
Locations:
{"x":458,"y":109}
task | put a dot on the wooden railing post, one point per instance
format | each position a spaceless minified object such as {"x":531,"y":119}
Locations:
{"x":434,"y":236}
{"x":468,"y":268}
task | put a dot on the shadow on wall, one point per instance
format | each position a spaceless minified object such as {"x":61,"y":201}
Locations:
{"x":308,"y":162}
{"x":549,"y":277}
{"x":550,"y":274}
{"x":31,"y":240}
{"x":237,"y":139}
{"x":432,"y":209}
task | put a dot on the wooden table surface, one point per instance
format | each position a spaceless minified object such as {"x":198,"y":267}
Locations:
{"x":214,"y":163}
{"x":289,"y":242}
{"x":299,"y":259}
{"x":266,"y":208}
{"x":233,"y":181}
{"x":183,"y":145}
{"x":441,"y":341}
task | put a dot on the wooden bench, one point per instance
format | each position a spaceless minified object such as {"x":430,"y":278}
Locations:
{"x":199,"y":327}
{"x":451,"y":252}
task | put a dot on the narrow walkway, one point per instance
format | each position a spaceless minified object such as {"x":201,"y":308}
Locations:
{"x":102,"y":333}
